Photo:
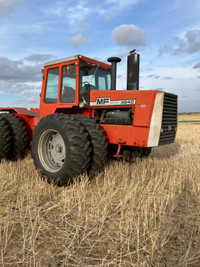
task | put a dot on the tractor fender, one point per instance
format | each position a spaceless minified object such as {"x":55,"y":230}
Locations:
{"x":29,"y":117}
{"x":18,"y":111}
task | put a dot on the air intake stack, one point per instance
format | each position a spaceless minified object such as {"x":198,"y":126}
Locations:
{"x":114,"y":61}
{"x":133,"y":62}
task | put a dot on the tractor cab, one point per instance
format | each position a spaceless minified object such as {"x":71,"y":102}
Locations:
{"x":67,"y":82}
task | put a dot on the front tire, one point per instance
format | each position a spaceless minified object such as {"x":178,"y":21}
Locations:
{"x":146,"y":151}
{"x":131,"y":154}
{"x":60,"y":148}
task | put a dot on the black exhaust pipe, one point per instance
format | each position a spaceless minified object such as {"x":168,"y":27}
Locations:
{"x":114,"y":61}
{"x":133,"y":65}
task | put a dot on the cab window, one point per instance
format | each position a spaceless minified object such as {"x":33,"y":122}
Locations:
{"x":68,"y":92}
{"x":94,"y":78}
{"x":51,"y":94}
{"x":102,"y":83}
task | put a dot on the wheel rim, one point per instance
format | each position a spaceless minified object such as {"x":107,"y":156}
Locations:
{"x":51,"y":150}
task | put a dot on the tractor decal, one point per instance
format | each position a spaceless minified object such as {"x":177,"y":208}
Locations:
{"x":105,"y":101}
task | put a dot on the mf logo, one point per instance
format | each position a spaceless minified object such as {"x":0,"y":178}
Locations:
{"x":103,"y":100}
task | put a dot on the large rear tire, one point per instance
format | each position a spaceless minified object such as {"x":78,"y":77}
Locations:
{"x":60,"y":148}
{"x":99,"y":153}
{"x":19,"y":136}
{"x":5,"y":139}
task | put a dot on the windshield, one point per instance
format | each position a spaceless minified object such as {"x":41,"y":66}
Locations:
{"x":94,"y":78}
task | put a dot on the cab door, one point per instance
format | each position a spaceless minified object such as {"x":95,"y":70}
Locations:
{"x":59,"y":89}
{"x":68,"y":84}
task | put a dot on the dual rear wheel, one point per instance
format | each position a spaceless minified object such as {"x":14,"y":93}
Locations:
{"x":65,"y":146}
{"x":13,"y":137}
{"x":4,"y":138}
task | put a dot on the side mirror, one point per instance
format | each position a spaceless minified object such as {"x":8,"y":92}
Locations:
{"x":69,"y":69}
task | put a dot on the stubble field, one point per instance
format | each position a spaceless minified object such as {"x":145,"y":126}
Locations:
{"x":141,"y":214}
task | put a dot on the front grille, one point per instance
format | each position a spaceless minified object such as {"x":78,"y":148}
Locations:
{"x":169,"y":119}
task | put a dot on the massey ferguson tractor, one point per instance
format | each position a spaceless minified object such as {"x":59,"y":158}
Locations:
{"x":83,"y":118}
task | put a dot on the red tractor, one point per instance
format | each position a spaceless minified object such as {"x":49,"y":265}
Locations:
{"x":82,"y":118}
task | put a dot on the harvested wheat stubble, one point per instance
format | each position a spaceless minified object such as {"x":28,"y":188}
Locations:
{"x":143,"y":214}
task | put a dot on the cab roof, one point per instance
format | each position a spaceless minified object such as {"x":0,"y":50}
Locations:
{"x":83,"y":58}
{"x":57,"y":61}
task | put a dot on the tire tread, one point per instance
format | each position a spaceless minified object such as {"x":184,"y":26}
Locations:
{"x":5,"y":139}
{"x":18,"y":134}
{"x":78,"y":142}
{"x":99,"y":153}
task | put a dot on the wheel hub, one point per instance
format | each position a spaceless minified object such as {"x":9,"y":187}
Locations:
{"x":51,"y":150}
{"x":59,"y":149}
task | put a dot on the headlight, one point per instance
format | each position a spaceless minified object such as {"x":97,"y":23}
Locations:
{"x":81,"y":105}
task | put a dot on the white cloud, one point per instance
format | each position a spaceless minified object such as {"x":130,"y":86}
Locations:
{"x":21,"y":81}
{"x":75,"y":13}
{"x":123,"y":3}
{"x":29,"y":102}
{"x":39,"y":57}
{"x":78,"y":13}
{"x":15,"y":70}
{"x":8,"y":6}
{"x":188,"y":42}
{"x":78,"y":41}
{"x":28,"y":89}
{"x":196,"y":66}
{"x":26,"y":93}
{"x":129,"y":36}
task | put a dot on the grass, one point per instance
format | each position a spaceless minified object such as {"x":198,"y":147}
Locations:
{"x":141,"y":214}
{"x":193,"y":118}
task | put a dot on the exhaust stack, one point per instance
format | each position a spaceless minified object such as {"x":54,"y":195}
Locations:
{"x":133,"y":62}
{"x":114,"y":61}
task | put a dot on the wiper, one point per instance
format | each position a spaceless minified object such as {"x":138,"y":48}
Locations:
{"x":94,"y":73}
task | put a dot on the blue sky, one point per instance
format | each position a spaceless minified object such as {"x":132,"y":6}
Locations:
{"x":166,"y":34}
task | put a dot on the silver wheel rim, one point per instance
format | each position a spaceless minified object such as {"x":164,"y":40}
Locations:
{"x":51,"y":150}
